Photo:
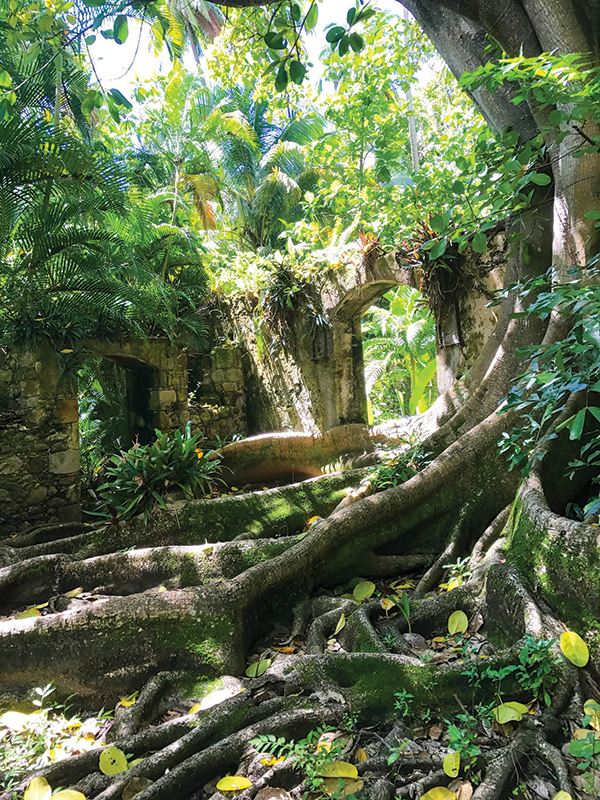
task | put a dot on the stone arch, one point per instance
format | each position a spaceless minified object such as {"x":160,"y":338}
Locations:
{"x":346,"y":298}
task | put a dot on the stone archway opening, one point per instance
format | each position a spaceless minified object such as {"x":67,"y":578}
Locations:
{"x":399,"y":355}
{"x":114,"y":395}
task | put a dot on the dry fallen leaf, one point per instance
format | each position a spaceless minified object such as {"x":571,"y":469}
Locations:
{"x":435,"y":732}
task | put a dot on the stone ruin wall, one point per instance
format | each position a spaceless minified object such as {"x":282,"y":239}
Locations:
{"x":39,"y":442}
{"x":244,"y":385}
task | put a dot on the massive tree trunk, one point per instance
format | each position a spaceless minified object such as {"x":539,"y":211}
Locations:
{"x":173,"y":612}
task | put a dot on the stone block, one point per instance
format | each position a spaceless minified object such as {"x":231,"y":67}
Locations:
{"x":37,"y":465}
{"x":235,"y":375}
{"x":66,"y":410}
{"x":225,"y":357}
{"x":6,"y":375}
{"x":230,"y":387}
{"x":65,"y":462}
{"x":218,"y":376}
{"x":11,"y":465}
{"x":160,"y":398}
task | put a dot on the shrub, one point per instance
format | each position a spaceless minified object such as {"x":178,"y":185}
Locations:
{"x":144,"y":477}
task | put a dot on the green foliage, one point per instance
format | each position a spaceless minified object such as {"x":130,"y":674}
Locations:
{"x":403,"y":704}
{"x":27,"y":739}
{"x":463,"y":738}
{"x":306,"y":753}
{"x":400,"y":354}
{"x":569,"y":365}
{"x":291,"y":289}
{"x":400,"y":468}
{"x":538,"y":667}
{"x":143,"y":478}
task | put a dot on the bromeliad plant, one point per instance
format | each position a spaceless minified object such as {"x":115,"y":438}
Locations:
{"x":144,"y":477}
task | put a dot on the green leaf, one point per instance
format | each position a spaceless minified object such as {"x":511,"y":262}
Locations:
{"x":350,"y":15}
{"x":335,"y":34}
{"x":275,"y":41}
{"x":437,"y":223}
{"x":540,"y":178}
{"x":297,"y":72}
{"x":120,"y":29}
{"x":5,"y":79}
{"x":480,"y":242}
{"x":256,"y":669}
{"x":312,"y":17}
{"x":458,"y":187}
{"x":405,"y":605}
{"x":281,"y":81}
{"x":356,"y":42}
{"x":556,"y":116}
{"x":576,"y":426}
{"x":363,"y":590}
{"x":458,"y":622}
{"x":594,"y":214}
{"x":438,"y":249}
{"x":120,"y":99}
{"x":296,"y":12}
{"x":344,"y":45}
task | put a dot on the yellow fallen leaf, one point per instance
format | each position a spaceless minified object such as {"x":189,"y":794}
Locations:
{"x":509,"y":712}
{"x":452,"y":764}
{"x":312,"y":520}
{"x":338,"y":769}
{"x":38,"y":789}
{"x":331,"y":786}
{"x":457,"y":623}
{"x":439,"y":793}
{"x":74,"y":592}
{"x":386,"y":603}
{"x":233,"y":783}
{"x":439,"y":639}
{"x":361,"y":755}
{"x":129,"y":701}
{"x":194,"y":709}
{"x":562,"y":796}
{"x":162,"y":588}
{"x":574,"y":648}
{"x":270,"y":762}
{"x":66,"y":350}
{"x":68,"y":794}
{"x":30,"y":612}
{"x":285,"y":650}
{"x":363,"y":590}
{"x":112,"y":761}
{"x":340,"y":625}
{"x":592,"y":709}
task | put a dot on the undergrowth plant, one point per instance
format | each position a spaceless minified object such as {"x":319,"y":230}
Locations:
{"x":307,"y":754}
{"x":30,"y":741}
{"x":144,"y":477}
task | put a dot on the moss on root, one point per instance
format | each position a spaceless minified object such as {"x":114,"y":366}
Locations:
{"x":566,"y":575}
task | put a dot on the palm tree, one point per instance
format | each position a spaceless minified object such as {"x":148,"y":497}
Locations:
{"x":265,"y":181}
{"x":399,"y":353}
